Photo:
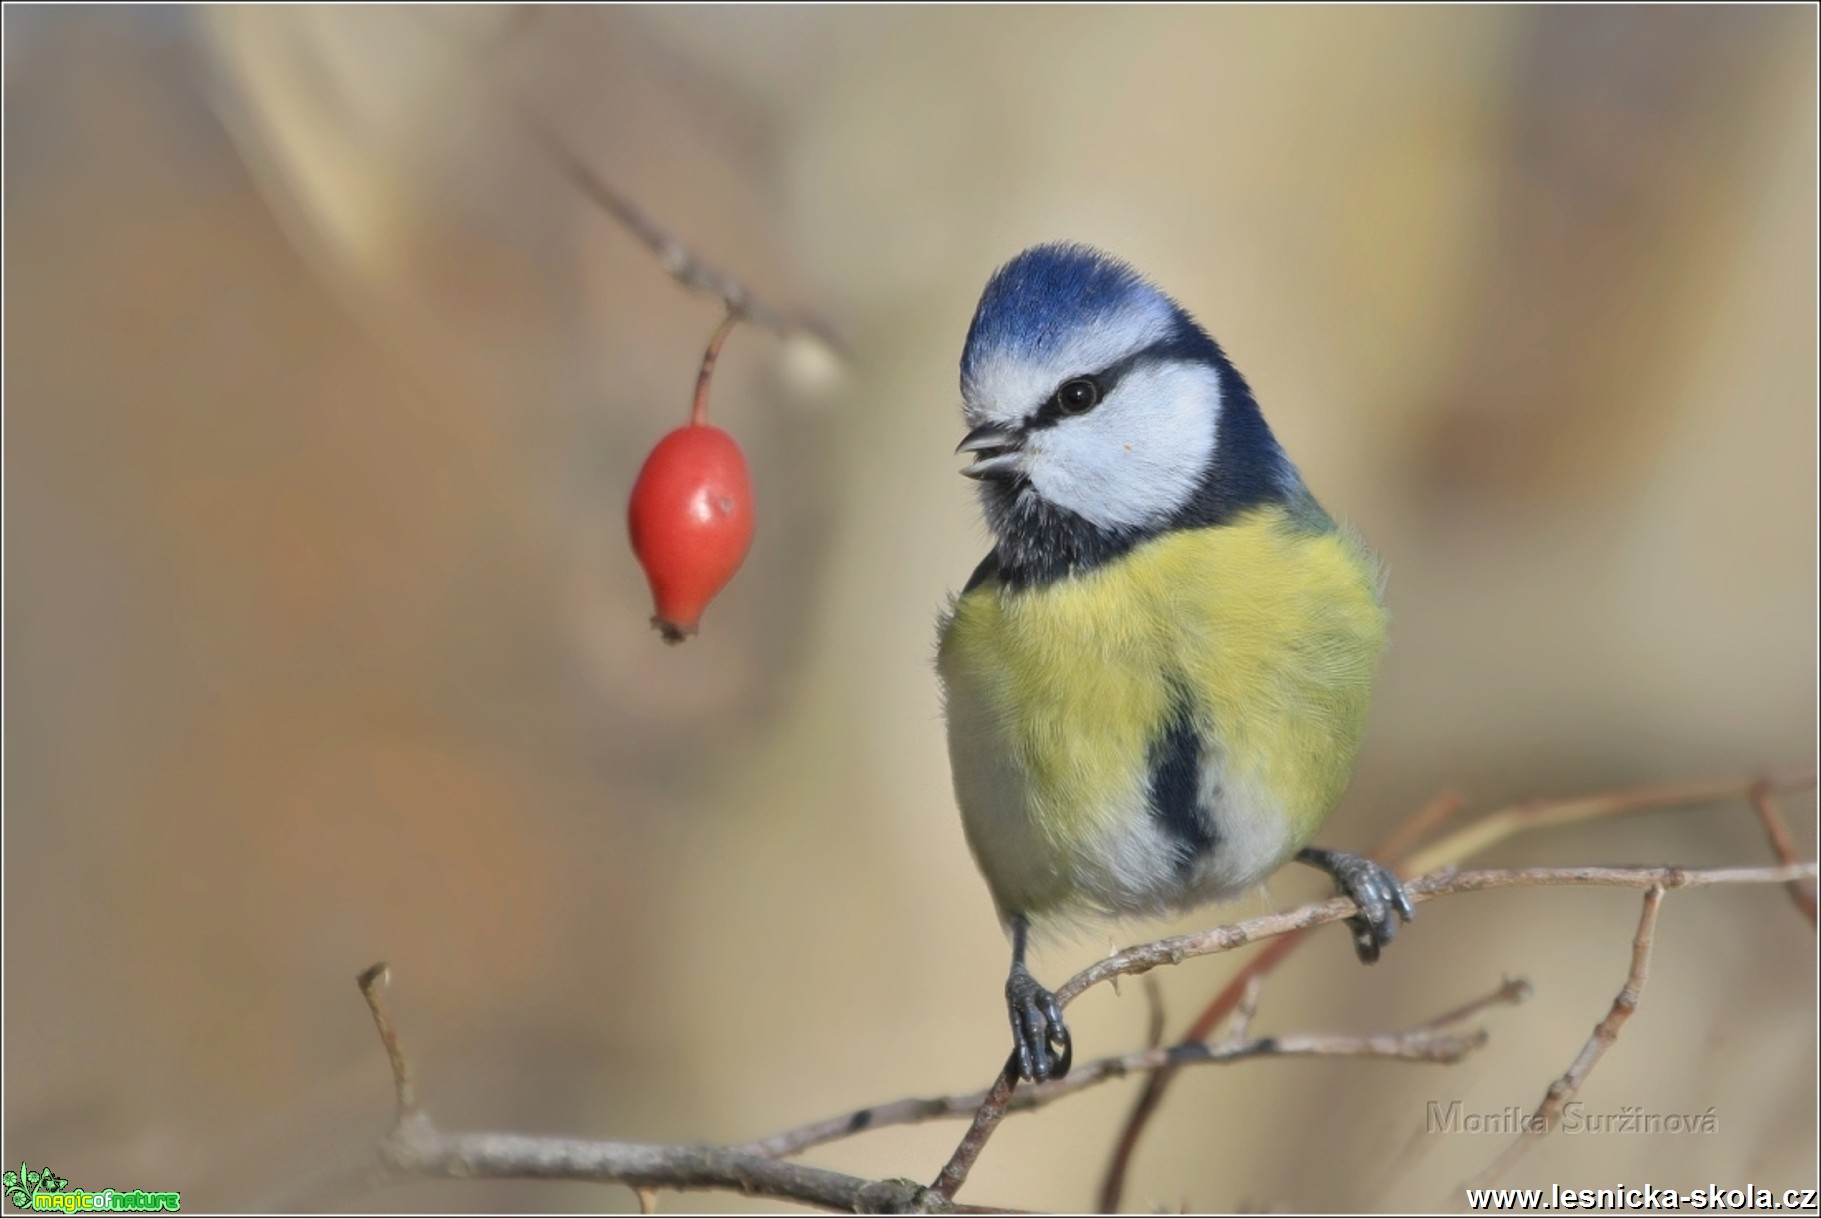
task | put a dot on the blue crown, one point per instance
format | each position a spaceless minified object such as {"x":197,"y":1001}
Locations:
{"x":1033,"y":303}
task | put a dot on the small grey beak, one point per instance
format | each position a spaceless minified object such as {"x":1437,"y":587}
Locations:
{"x":998,"y":451}
{"x":988,"y":435}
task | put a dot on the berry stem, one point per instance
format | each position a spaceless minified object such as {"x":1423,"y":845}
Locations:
{"x":699,"y":414}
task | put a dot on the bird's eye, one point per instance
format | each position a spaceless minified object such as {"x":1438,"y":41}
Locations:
{"x":1078,"y":396}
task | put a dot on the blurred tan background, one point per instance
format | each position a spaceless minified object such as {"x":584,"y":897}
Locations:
{"x":324,"y":392}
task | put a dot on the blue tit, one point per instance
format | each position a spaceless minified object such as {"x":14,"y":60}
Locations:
{"x":1156,"y":682}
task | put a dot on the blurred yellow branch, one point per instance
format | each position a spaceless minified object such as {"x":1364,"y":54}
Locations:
{"x":1495,"y":827}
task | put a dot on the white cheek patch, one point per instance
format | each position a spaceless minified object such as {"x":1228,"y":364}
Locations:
{"x":1136,"y":458}
{"x":1007,"y":386}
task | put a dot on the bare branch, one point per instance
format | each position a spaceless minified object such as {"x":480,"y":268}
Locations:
{"x":416,"y":1147}
{"x":1453,"y":850}
{"x":1420,"y":824}
{"x":372,"y":983}
{"x":682,"y":264}
{"x":1175,"y":950}
{"x":986,"y":1119}
{"x":1178,"y":948}
{"x":1240,"y":1026}
{"x":1423,"y":1043}
{"x":1232,"y":998}
{"x":1605,"y":1034}
{"x":1778,"y":833}
{"x":1513,"y":991}
{"x":1157,"y":1020}
{"x":1495,"y":827}
{"x":678,"y":261}
{"x":419,"y":1149}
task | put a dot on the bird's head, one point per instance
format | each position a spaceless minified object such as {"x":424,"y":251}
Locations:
{"x":1102,"y":414}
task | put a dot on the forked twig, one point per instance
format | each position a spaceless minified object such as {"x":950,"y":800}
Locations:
{"x":1481,"y":835}
{"x":1765,"y":803}
{"x":415,"y":1147}
{"x":1426,"y":1042}
{"x":1605,"y":1035}
{"x":1175,"y":950}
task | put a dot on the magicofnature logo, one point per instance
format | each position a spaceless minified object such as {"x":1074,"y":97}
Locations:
{"x":25,"y":1184}
{"x":47,"y":1192}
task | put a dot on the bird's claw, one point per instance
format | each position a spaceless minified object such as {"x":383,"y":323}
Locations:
{"x":1382,"y":899}
{"x":1042,"y":1046}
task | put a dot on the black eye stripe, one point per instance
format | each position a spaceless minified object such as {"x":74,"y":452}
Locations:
{"x":1106,"y":379}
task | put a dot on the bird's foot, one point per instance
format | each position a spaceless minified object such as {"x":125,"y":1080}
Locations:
{"x":1375,"y":888}
{"x":1042,"y":1046}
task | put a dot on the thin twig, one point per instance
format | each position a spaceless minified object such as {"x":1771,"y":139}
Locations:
{"x":689,"y":270}
{"x":372,"y":982}
{"x":426,"y":1151}
{"x":1228,"y":1001}
{"x":1240,"y":1026}
{"x":1416,"y":1045}
{"x":1424,"y":821}
{"x":1176,"y":949}
{"x":1426,"y":1042}
{"x":1156,"y":1019}
{"x":1605,"y":1035}
{"x":1511,"y":992}
{"x":1136,"y":960}
{"x":986,"y":1119}
{"x":1467,"y":842}
{"x":679,"y":262}
{"x":416,"y":1147}
{"x":698,"y":413}
{"x":1785,"y":849}
{"x":1495,"y":827}
{"x":1420,"y":824}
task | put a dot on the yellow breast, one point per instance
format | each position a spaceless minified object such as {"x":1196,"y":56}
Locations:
{"x":1272,"y":633}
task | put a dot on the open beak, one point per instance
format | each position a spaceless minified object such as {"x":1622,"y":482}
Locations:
{"x":997,"y":451}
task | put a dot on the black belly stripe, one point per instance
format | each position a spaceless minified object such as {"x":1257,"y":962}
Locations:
{"x":1175,"y":786}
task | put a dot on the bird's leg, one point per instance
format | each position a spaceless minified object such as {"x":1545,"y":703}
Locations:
{"x":1373,"y":887}
{"x":1041,"y":1039}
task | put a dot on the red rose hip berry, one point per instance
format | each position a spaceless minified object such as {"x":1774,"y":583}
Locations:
{"x":691,"y":514}
{"x":691,"y":519}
